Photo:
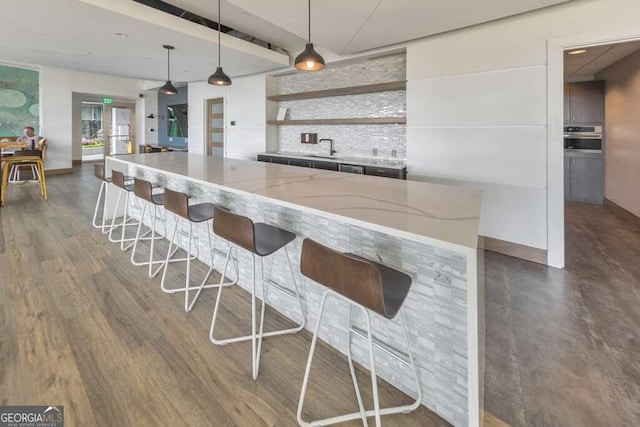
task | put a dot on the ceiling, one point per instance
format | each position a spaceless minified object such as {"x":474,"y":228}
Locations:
{"x":352,"y":26}
{"x":596,"y":59}
{"x":81,"y":35}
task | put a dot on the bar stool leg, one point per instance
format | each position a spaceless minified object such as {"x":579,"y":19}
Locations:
{"x":362,"y":414}
{"x":354,"y":379}
{"x":307,"y":371}
{"x":113,"y":219}
{"x":95,"y":211}
{"x":188,"y":288}
{"x":374,"y":377}
{"x":256,"y":338}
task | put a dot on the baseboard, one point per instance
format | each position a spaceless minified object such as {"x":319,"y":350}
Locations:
{"x":622,"y":211}
{"x":76,"y":162}
{"x":65,"y":171}
{"x":515,"y":250}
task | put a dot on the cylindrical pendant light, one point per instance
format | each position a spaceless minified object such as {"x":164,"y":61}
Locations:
{"x":309,"y":59}
{"x":168,"y":88}
{"x":219,"y":78}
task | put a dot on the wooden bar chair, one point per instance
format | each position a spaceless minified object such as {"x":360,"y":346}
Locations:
{"x":178,"y":203}
{"x":98,"y":172}
{"x":373,"y":288}
{"x":260,"y":240}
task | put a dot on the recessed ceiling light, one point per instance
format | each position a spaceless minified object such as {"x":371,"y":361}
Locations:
{"x":123,"y":35}
{"x":91,"y":53}
{"x":577,"y":52}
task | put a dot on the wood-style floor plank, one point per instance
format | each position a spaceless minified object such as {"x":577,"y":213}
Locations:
{"x":83,"y":327}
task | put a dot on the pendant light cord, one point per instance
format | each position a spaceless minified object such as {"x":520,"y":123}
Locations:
{"x":219,"y":29}
{"x":168,"y":64}
{"x":309,"y":21}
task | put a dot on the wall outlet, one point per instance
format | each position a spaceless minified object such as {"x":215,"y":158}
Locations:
{"x":374,"y":152}
{"x":308,"y":138}
{"x":233,"y":122}
{"x":394,"y":153}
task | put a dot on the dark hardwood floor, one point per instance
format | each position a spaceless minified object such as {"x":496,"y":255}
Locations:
{"x":80,"y":326}
{"x":563,"y":346}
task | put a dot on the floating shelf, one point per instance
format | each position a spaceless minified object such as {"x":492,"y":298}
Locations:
{"x":351,"y":90}
{"x":360,"y":121}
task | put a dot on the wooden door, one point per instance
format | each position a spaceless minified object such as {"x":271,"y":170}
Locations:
{"x":215,"y":127}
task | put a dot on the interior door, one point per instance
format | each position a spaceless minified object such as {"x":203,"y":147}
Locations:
{"x":215,"y":127}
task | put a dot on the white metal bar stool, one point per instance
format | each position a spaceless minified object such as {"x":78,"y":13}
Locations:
{"x":178,"y":203}
{"x":118,"y":179}
{"x":260,"y":240}
{"x":98,"y":172}
{"x":143,"y":190}
{"x":371,"y":287}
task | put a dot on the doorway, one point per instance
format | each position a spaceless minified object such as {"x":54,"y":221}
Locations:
{"x":102,"y":129}
{"x":92,"y":131}
{"x":555,"y":131}
{"x":215,"y":127}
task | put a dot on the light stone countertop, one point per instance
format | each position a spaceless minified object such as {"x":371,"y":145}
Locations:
{"x":360,"y":161}
{"x":416,"y":210}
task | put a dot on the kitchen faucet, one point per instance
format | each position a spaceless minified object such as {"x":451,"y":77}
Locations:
{"x":331,"y":150}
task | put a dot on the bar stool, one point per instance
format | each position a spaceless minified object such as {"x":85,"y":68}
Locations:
{"x":367,"y":285}
{"x":98,"y":172}
{"x":178,"y":204}
{"x":118,"y":179}
{"x":260,"y":240}
{"x":143,"y":190}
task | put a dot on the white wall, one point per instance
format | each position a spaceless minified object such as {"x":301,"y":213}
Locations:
{"x":56,"y":88}
{"x":622,"y":113}
{"x":144,"y":107}
{"x":245,"y":103}
{"x":477,"y":109}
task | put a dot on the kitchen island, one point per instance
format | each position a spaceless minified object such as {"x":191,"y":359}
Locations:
{"x":429,"y":231}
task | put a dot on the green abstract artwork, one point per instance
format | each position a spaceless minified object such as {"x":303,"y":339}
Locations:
{"x":19,"y":100}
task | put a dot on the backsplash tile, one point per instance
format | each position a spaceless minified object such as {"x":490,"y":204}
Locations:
{"x":350,"y":140}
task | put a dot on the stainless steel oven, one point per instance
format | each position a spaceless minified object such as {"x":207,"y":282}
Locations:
{"x":583,"y":138}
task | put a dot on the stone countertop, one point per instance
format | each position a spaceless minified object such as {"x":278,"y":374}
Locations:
{"x":359,"y":161}
{"x":416,"y":210}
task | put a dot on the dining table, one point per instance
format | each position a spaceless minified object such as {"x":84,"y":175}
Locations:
{"x":5,"y":145}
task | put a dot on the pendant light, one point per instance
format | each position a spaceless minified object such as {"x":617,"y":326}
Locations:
{"x":219,"y":78}
{"x":168,"y":88}
{"x":309,"y":59}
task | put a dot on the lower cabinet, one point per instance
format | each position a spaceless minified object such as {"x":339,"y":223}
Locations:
{"x":333,"y":166}
{"x":584,"y":179}
{"x":386,"y":172}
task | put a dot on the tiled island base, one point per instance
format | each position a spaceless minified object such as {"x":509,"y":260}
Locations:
{"x":438,"y":308}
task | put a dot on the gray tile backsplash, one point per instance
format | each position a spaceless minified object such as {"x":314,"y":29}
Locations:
{"x":350,"y":140}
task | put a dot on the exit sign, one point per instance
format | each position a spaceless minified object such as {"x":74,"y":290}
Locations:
{"x":107,"y":100}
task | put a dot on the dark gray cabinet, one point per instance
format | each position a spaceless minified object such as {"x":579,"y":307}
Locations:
{"x":300,"y":162}
{"x":584,"y":102}
{"x":386,"y":172}
{"x":329,"y":166}
{"x":584,"y":179}
{"x":335,"y":166}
